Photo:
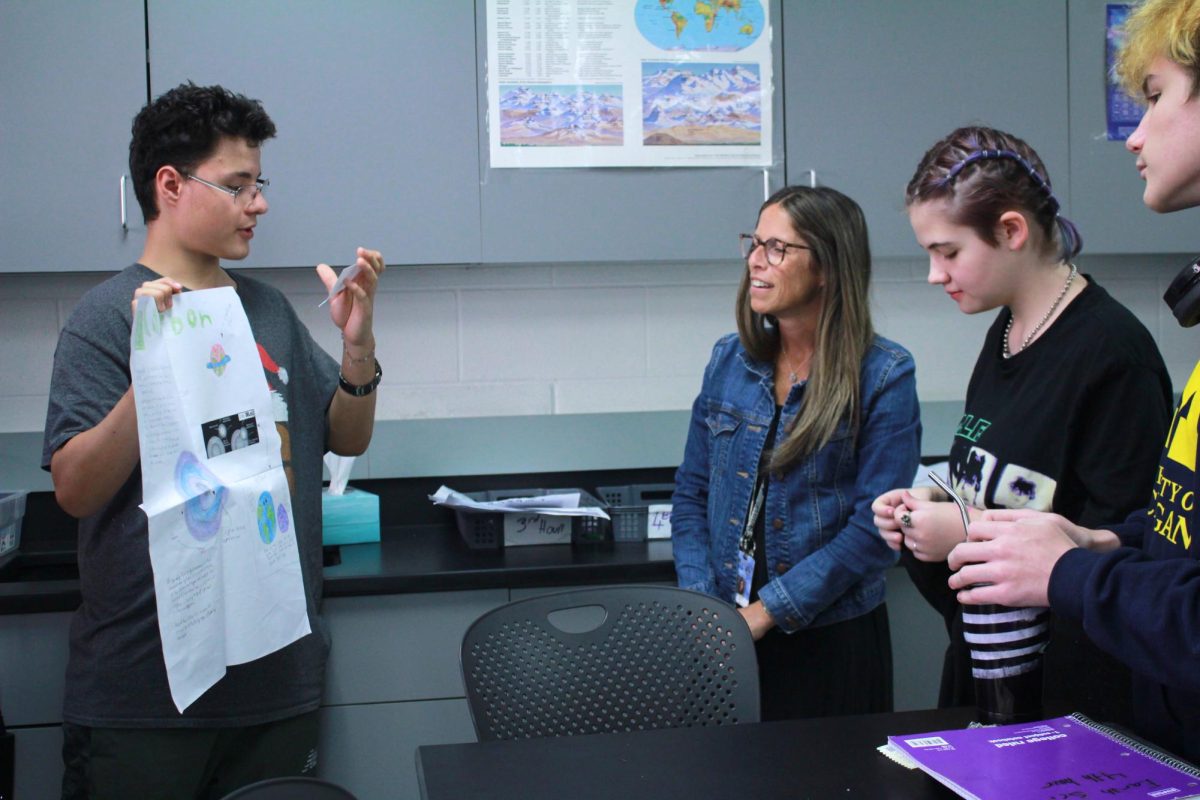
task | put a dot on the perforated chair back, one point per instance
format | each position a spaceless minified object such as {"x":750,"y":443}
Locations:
{"x":298,"y":788}
{"x":618,"y":658}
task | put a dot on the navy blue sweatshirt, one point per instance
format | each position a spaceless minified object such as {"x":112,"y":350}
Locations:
{"x":1141,"y":602}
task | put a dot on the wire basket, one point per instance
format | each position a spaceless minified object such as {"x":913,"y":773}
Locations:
{"x":629,"y":507}
{"x":483,"y":530}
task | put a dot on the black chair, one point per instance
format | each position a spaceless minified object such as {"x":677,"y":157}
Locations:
{"x":298,"y":788}
{"x":620,"y":658}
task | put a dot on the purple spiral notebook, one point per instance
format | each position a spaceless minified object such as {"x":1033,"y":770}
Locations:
{"x":1072,"y":758}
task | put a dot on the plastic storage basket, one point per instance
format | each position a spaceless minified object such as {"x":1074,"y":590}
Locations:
{"x":629,"y":507}
{"x":12,"y":510}
{"x":483,"y":530}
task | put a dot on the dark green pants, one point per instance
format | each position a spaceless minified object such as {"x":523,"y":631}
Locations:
{"x":183,"y":763}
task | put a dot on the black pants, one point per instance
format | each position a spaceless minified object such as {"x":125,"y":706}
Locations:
{"x":843,"y":668}
{"x":184,"y":763}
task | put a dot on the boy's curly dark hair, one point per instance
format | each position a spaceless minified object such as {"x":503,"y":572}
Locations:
{"x":183,"y":127}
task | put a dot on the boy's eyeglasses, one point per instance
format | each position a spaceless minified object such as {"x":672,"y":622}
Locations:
{"x":242,"y":195}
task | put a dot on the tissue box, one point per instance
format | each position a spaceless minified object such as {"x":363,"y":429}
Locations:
{"x":350,"y":518}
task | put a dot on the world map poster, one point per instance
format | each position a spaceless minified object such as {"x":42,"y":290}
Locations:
{"x":621,"y":83}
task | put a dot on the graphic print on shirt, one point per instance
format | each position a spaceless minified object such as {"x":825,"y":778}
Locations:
{"x":982,"y":480}
{"x":277,"y":378}
{"x":1019,"y":487}
{"x":1181,"y":441}
{"x":1173,"y":508}
{"x":971,"y":476}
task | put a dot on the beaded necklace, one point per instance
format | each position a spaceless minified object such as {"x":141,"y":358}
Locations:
{"x":1029,"y":336}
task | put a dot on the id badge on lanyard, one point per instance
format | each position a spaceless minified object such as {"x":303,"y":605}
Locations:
{"x":745,"y":565}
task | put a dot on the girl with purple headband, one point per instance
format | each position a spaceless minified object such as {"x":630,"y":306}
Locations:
{"x":1046,"y":423}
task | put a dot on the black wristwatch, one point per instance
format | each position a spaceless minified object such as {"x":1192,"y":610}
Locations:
{"x":364,"y":390}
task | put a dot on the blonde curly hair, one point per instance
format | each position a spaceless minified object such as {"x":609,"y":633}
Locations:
{"x":1169,"y":28}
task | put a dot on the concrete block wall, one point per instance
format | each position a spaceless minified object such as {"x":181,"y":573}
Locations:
{"x":539,"y":341}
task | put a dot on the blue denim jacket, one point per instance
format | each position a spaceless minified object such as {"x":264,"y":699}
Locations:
{"x":828,"y":564}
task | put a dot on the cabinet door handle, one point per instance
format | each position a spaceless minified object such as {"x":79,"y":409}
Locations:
{"x":124,"y":220}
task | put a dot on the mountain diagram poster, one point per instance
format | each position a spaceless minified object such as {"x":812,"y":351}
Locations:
{"x":629,"y":83}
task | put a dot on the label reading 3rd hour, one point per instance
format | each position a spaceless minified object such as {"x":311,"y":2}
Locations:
{"x":536,"y":529}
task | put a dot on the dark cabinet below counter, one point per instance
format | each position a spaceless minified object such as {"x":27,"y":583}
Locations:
{"x":396,"y":612}
{"x":415,"y":558}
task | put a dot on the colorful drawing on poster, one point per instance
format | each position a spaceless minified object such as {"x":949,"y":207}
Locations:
{"x":205,"y":497}
{"x":701,"y":104}
{"x":281,"y":517}
{"x":712,"y":25}
{"x":561,"y":116}
{"x":218,"y":359}
{"x":267,"y":525}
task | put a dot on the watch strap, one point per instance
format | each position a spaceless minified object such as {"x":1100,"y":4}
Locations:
{"x":364,"y":389}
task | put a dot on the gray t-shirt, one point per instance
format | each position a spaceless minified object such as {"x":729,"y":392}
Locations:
{"x":116,"y":676}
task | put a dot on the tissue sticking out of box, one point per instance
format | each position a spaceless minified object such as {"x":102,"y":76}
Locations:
{"x":551,"y":505}
{"x":339,"y":472}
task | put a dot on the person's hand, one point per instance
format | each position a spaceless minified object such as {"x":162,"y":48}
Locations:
{"x":1009,"y":561}
{"x":160,"y":289}
{"x":352,"y":309}
{"x":931,"y":528}
{"x":1089,"y":538}
{"x":757,"y":618}
{"x":886,"y":509}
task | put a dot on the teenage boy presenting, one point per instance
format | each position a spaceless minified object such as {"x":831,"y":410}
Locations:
{"x":195,"y":162}
{"x":1136,"y":586}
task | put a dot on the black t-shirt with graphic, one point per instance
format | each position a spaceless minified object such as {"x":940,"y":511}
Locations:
{"x":1051,"y":429}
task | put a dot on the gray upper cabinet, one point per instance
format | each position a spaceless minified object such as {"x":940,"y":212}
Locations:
{"x":615,"y":214}
{"x":871,"y":84}
{"x":381,"y":109}
{"x":1107,"y":192}
{"x":73,"y":77}
{"x":375,"y":106}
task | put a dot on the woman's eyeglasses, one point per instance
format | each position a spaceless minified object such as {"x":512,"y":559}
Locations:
{"x":774,"y":249}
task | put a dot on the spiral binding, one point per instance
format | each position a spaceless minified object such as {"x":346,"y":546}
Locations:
{"x":1136,"y":745}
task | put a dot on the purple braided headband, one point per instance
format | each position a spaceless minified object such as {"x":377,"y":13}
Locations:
{"x":984,"y":155}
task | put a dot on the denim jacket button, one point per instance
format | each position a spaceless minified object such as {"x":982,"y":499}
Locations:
{"x":782,"y":567}
{"x":777,"y":523}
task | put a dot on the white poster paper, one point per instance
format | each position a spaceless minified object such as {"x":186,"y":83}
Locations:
{"x":222,"y":545}
{"x":619,"y":83}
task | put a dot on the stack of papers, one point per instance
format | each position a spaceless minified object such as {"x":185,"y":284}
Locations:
{"x":551,"y":505}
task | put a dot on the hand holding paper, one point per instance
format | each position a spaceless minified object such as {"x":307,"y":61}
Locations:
{"x":345,"y":275}
{"x":351,"y":296}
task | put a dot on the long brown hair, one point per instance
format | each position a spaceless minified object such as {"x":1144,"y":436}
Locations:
{"x":833,"y":227}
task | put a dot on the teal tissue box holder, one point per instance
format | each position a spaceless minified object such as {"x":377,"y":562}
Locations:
{"x":350,"y":518}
